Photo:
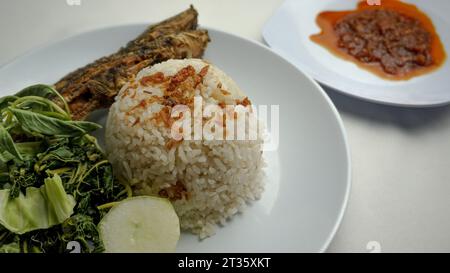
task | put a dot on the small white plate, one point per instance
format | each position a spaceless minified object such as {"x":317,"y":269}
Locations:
{"x":308,"y":176}
{"x":288,"y":32}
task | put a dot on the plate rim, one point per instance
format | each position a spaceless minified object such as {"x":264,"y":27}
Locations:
{"x":323,"y":94}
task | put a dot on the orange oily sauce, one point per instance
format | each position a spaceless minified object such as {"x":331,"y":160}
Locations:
{"x":329,"y":39}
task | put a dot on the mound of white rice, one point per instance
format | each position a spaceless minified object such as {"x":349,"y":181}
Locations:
{"x":207,"y":181}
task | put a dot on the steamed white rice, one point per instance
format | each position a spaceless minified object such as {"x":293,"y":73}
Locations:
{"x":217,"y":177}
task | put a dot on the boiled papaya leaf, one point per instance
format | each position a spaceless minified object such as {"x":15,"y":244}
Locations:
{"x":43,"y":90}
{"x":9,"y":242}
{"x":86,"y":125}
{"x":41,"y":105}
{"x":40,"y":90}
{"x":29,"y":150}
{"x":5,"y":101}
{"x":4,"y":174}
{"x":55,"y":159}
{"x":11,"y":247}
{"x":39,"y":208}
{"x":54,"y":115}
{"x":51,"y":145}
{"x":6,"y":156}
{"x":4,"y":178}
{"x":41,"y":124}
{"x":7,"y":146}
{"x":32,"y":103}
{"x":62,"y":154}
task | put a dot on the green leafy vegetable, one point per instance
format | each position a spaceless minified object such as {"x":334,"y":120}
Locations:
{"x":39,"y":208}
{"x":7,"y":145}
{"x":6,"y":156}
{"x":41,"y":105}
{"x":13,"y":247}
{"x":5,"y":101}
{"x":40,"y":90}
{"x":54,"y":178}
{"x":41,"y":124}
{"x":44,"y":91}
{"x":29,"y":150}
{"x":9,"y":243}
{"x":59,"y":204}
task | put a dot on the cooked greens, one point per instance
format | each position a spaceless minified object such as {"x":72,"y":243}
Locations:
{"x":53,"y":175}
{"x":38,"y":208}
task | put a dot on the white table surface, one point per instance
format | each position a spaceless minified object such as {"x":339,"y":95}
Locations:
{"x":400,"y":194}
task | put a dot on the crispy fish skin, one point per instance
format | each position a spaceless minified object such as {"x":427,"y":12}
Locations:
{"x":95,"y":85}
{"x":184,"y":21}
{"x":98,"y":89}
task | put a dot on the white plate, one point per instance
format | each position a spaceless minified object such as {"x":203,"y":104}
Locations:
{"x":288,"y":32}
{"x":308,"y":177}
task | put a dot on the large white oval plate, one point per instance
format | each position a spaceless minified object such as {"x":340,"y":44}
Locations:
{"x":308,"y":177}
{"x":288,"y":32}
